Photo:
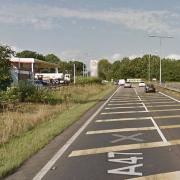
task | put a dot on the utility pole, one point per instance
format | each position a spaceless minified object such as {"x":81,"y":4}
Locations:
{"x":160,"y":63}
{"x":149,"y":67}
{"x":74,"y":73}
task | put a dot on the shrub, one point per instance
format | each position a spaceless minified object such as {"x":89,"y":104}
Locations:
{"x":87,"y":80}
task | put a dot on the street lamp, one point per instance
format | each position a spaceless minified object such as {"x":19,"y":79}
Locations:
{"x":160,"y":41}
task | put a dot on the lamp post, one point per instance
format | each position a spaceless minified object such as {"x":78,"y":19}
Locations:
{"x":160,"y":63}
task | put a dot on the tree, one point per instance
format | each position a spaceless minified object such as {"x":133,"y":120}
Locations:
{"x":5,"y":66}
{"x":104,"y":69}
{"x":30,"y":54}
{"x":52,"y":59}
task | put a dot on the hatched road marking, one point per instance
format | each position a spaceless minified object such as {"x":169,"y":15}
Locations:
{"x":132,"y":137}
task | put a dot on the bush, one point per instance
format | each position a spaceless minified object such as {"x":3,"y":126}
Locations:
{"x":87,"y":80}
{"x":29,"y":92}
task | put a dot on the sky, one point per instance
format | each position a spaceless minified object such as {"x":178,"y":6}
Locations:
{"x":91,"y":29}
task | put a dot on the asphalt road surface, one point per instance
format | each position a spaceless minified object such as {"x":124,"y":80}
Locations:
{"x":134,"y":135}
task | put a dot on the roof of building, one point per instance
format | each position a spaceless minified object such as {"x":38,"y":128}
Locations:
{"x":40,"y":63}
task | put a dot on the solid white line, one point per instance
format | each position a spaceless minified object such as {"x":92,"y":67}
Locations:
{"x":61,"y":151}
{"x":86,"y":152}
{"x":124,"y":107}
{"x":164,"y":105}
{"x":164,"y":102}
{"x":123,"y":112}
{"x":159,"y":131}
{"x":123,"y":119}
{"x":166,"y":110}
{"x":125,"y":101}
{"x":123,"y":104}
{"x":120,"y":130}
{"x":170,"y":97}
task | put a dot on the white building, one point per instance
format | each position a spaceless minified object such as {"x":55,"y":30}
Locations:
{"x":94,"y":68}
{"x":25,"y":68}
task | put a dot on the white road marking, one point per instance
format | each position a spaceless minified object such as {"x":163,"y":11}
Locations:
{"x":124,"y":101}
{"x":164,"y":105}
{"x":128,"y":107}
{"x":140,"y":118}
{"x":121,"y":130}
{"x":123,"y":112}
{"x":164,"y":102}
{"x":132,"y":137}
{"x":170,"y":126}
{"x":123,"y":104}
{"x":150,"y":100}
{"x":170,"y":97}
{"x":61,"y":151}
{"x":101,"y":150}
{"x":123,"y":119}
{"x":163,"y":176}
{"x":161,"y":110}
{"x":159,"y":131}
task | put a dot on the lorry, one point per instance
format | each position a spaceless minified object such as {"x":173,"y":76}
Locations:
{"x":54,"y":78}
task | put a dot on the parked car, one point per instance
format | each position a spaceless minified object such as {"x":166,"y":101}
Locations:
{"x":142,"y":84}
{"x":121,"y":82}
{"x":127,"y":85}
{"x":149,"y":88}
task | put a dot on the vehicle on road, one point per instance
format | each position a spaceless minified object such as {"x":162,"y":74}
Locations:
{"x":121,"y":82}
{"x":142,"y":84}
{"x":127,"y":85}
{"x":149,"y":88}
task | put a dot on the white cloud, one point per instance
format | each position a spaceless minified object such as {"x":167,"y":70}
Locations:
{"x":133,"y":56}
{"x":72,"y":55}
{"x":43,"y":16}
{"x":174,"y":56}
{"x":116,"y":56}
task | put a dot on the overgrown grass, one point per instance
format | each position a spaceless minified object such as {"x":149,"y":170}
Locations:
{"x":30,"y":130}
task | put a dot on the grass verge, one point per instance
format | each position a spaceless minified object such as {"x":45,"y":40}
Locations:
{"x":20,"y":148}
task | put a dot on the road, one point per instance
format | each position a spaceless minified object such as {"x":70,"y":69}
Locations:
{"x":133,"y":135}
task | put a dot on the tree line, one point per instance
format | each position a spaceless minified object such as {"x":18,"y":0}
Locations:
{"x":139,"y":68}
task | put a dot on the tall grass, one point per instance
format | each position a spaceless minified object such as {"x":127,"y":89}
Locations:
{"x":27,"y":115}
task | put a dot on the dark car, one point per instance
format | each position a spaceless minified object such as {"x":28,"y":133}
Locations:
{"x":149,"y":88}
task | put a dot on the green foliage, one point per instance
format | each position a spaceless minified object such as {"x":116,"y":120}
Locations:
{"x":104,"y":69}
{"x":28,"y":92}
{"x":138,"y":68}
{"x":30,"y":54}
{"x":52,"y":59}
{"x":87,"y":80}
{"x":5,"y":65}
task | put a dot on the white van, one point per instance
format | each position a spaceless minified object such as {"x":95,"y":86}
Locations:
{"x":121,"y":82}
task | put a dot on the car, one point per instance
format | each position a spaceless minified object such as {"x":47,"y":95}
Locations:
{"x":127,"y":85}
{"x":142,"y":84}
{"x":121,"y":82}
{"x":149,"y":88}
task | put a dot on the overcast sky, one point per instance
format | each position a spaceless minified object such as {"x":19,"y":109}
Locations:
{"x":91,"y":28}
